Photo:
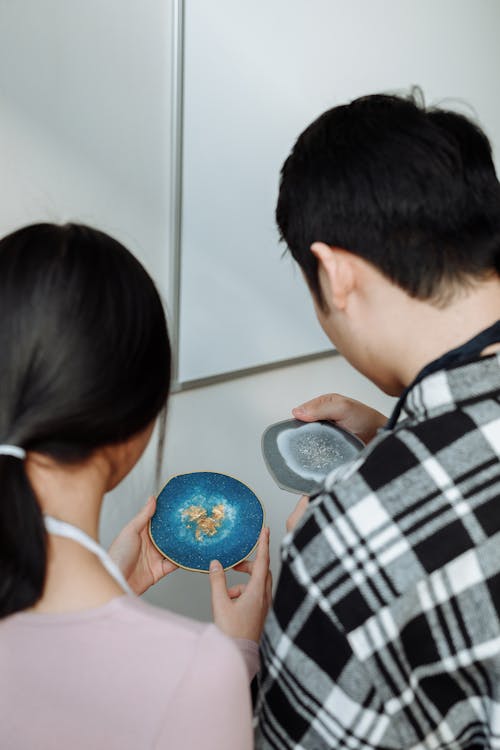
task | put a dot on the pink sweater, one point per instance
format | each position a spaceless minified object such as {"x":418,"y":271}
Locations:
{"x":125,"y":675}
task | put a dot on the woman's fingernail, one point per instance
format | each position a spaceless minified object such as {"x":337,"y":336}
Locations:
{"x":215,"y":566}
{"x":299,"y":410}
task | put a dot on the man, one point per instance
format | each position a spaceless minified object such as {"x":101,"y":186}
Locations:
{"x":385,"y":629}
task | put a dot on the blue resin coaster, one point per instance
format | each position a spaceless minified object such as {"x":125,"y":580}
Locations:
{"x":204,"y":516}
{"x":300,"y":455}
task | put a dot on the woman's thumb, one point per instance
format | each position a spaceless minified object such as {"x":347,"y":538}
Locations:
{"x":218,"y":588}
{"x":145,"y":513}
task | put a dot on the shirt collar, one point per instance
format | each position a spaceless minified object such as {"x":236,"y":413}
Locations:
{"x":446,"y":390}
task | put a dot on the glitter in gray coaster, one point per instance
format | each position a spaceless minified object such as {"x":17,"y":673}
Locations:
{"x":299,"y":455}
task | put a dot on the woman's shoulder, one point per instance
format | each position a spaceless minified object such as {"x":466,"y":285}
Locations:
{"x":153,"y":621}
{"x":135,"y":610}
{"x":153,"y":642}
{"x":140,"y":667}
{"x":127,"y":622}
{"x":190,"y":647}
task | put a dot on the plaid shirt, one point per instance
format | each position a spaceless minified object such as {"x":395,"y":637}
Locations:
{"x":385,"y":629}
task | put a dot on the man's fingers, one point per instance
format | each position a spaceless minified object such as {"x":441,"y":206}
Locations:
{"x":329,"y":406}
{"x":297,"y":513}
{"x":348,"y":413}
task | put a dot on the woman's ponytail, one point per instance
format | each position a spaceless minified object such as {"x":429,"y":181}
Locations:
{"x":22,"y":539}
{"x":85,"y":363}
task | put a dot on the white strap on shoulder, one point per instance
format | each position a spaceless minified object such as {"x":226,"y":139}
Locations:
{"x":62,"y":528}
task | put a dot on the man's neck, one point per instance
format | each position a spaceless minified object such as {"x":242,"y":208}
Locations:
{"x":402,"y":334}
{"x":436,"y":330}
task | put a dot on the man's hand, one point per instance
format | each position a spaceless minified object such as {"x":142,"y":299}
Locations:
{"x":241,"y":610}
{"x":348,"y":413}
{"x":135,"y":554}
{"x":297,"y":513}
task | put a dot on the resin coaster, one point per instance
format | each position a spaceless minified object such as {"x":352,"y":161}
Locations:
{"x":206,"y":516}
{"x":299,"y":455}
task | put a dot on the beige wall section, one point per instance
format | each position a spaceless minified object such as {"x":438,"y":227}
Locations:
{"x":218,"y":428}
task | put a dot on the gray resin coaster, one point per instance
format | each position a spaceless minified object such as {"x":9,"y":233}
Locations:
{"x":299,"y":455}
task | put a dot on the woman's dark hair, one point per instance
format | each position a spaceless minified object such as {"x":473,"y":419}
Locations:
{"x":413,"y":191}
{"x":84,"y":362}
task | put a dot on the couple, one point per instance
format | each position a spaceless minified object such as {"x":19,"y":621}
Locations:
{"x":384,"y":628}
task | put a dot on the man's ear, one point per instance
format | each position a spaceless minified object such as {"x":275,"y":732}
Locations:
{"x":336,"y":273}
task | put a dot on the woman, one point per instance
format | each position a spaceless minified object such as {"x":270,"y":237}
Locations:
{"x":84,"y":374}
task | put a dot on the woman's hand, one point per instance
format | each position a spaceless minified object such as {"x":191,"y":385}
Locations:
{"x":241,"y":610}
{"x":348,"y":413}
{"x":135,"y":554}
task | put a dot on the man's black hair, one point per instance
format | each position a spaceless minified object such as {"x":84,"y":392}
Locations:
{"x":412,"y":191}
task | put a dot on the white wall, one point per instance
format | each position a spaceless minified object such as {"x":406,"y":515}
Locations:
{"x":256,"y":73}
{"x":85,"y":92}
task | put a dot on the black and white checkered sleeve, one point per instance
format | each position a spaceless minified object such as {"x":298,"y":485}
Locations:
{"x":314,"y":693}
{"x":385,"y":628}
